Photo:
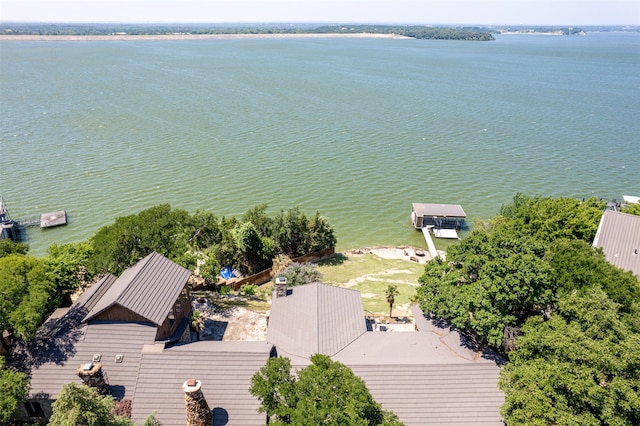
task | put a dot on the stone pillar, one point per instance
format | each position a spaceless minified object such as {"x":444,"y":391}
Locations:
{"x":281,"y":287}
{"x":92,"y":375}
{"x":196,"y":407}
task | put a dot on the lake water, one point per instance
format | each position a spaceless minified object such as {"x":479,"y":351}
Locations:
{"x":357,"y":129}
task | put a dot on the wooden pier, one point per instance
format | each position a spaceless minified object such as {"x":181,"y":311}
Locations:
{"x":430,"y":244}
{"x":11,"y":229}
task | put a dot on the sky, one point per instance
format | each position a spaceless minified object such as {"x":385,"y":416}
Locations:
{"x":481,"y":12}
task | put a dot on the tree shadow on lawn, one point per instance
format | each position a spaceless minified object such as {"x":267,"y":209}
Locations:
{"x":335,"y":260}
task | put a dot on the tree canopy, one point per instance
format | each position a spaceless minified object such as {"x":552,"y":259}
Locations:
{"x":530,"y":284}
{"x":580,"y":367}
{"x":325,"y":392}
{"x":14,"y":386}
{"x":518,"y":265}
{"x":27,"y":293}
{"x":248,"y":243}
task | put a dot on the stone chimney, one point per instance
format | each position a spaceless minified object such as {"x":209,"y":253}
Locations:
{"x":92,"y":375}
{"x":198,"y":412}
{"x":281,"y":287}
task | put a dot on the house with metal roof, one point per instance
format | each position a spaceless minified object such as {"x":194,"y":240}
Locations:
{"x":122,"y":337}
{"x":618,"y":236}
{"x":432,"y":376}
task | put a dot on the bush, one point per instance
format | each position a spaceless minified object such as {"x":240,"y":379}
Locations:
{"x":248,"y":289}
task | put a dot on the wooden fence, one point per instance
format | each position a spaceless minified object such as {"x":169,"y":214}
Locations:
{"x":266,"y":275}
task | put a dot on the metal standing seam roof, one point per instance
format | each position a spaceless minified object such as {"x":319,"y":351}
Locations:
{"x":105,"y":338}
{"x":436,"y":394}
{"x":429,"y":377}
{"x":149,"y":288}
{"x":619,"y":237}
{"x":439,"y":210}
{"x":316,"y":318}
{"x":225,"y":370}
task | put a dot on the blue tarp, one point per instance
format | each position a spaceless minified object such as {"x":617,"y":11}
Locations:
{"x":226,"y":272}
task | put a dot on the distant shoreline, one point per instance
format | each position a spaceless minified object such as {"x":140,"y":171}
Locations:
{"x":127,"y":37}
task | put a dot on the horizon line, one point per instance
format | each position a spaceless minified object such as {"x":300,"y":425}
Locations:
{"x":304,"y":23}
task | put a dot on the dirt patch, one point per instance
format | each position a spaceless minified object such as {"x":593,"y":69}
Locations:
{"x":413,"y":254}
{"x":235,"y":323}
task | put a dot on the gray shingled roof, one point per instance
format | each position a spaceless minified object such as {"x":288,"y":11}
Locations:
{"x":619,"y":237}
{"x":225,"y":370}
{"x":149,"y":288}
{"x":439,"y":210}
{"x":315,"y":318}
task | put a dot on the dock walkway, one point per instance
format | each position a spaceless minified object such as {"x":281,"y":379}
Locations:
{"x":429,"y":240}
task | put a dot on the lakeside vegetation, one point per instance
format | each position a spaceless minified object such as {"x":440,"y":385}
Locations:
{"x":414,"y":31}
{"x":527,"y":283}
{"x":530,"y":284}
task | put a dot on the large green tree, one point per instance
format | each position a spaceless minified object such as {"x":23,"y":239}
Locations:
{"x":14,"y":386}
{"x":130,"y":238}
{"x":518,"y":264}
{"x":82,"y":405}
{"x":325,"y":392}
{"x":580,"y":367}
{"x":27,"y":293}
{"x":491,"y":280}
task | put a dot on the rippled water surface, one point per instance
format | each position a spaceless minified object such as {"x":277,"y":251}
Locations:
{"x":357,"y":129}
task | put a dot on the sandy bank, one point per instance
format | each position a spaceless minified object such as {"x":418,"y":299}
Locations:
{"x":124,"y":37}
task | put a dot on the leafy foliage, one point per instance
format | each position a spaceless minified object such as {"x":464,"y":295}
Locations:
{"x":531,"y":274}
{"x":14,"y":386}
{"x":68,"y":265}
{"x":632,"y":209}
{"x":130,"y":238}
{"x":301,"y":273}
{"x":580,"y":367}
{"x":82,"y":405}
{"x":8,"y":247}
{"x":247,"y":244}
{"x":27,"y":293}
{"x":325,"y":392}
{"x":490,"y":280}
{"x":518,"y":264}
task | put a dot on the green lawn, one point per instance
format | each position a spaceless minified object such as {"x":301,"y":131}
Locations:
{"x":371,"y":275}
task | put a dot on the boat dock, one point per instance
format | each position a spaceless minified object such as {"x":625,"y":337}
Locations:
{"x":442,"y":219}
{"x":429,"y":240}
{"x":11,"y":229}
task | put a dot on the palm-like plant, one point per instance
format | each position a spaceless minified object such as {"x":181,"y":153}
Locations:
{"x":197,"y":322}
{"x":391,"y":292}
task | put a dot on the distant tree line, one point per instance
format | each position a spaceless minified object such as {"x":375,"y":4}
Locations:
{"x":415,"y":31}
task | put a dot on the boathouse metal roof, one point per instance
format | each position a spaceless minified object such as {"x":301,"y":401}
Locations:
{"x":619,"y":237}
{"x":439,"y":210}
{"x":149,"y":288}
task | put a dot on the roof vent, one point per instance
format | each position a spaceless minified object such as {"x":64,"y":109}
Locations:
{"x":97,"y":357}
{"x":119,"y":358}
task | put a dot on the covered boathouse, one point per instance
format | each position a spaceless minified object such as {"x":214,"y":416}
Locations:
{"x":437,"y":215}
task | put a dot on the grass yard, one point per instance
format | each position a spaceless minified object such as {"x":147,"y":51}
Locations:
{"x":371,"y":275}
